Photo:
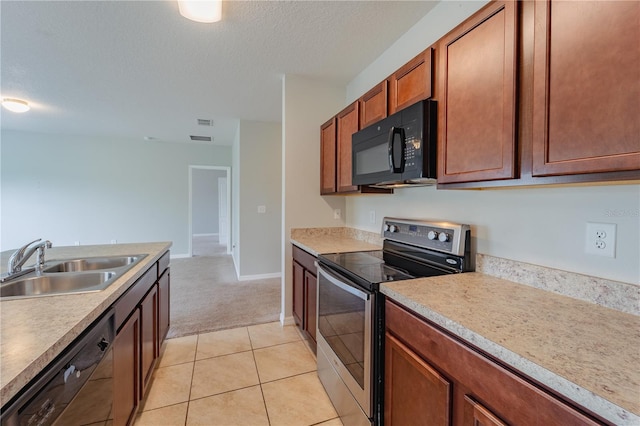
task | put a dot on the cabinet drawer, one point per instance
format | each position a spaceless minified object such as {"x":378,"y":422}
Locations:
{"x":305,"y":259}
{"x":128,"y":301}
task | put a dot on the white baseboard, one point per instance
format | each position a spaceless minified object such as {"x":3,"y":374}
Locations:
{"x":259,"y":276}
{"x":286,"y":320}
{"x":179,"y":256}
{"x":205,"y":235}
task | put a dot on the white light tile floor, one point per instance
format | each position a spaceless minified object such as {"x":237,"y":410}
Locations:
{"x":258,"y":375}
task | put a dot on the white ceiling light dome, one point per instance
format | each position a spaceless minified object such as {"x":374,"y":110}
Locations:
{"x":206,"y":11}
{"x":15,"y":105}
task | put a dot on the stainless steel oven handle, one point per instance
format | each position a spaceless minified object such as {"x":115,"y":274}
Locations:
{"x":339,"y":282}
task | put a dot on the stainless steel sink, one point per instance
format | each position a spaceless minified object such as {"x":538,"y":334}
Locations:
{"x":58,"y":284}
{"x":81,"y":275}
{"x":93,"y":263}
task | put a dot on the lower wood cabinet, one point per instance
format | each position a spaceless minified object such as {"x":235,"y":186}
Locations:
{"x":164,"y":317}
{"x":305,"y":290}
{"x":148,"y":336}
{"x":406,"y":376}
{"x":142,"y":322}
{"x":434,"y":378}
{"x":126,"y":368}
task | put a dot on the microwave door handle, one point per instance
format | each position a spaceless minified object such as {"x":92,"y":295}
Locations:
{"x":392,"y":138}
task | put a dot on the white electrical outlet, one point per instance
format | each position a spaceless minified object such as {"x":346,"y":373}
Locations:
{"x":76,"y":243}
{"x":337,"y":214}
{"x":372,"y":217}
{"x":114,"y":241}
{"x":262,"y":209}
{"x":601,"y":239}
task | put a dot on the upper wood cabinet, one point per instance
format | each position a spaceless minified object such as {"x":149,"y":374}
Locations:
{"x":412,"y":82}
{"x":373,"y":105}
{"x":586,"y":87}
{"x":348,"y":122}
{"x":328,"y":157}
{"x":477,"y":101}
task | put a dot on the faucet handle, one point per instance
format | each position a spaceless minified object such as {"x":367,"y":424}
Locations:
{"x":17,"y":256}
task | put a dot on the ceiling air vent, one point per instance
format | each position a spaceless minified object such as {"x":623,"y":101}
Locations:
{"x":201,"y":138}
{"x":204,"y":122}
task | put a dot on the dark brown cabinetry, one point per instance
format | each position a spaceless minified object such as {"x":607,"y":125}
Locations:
{"x":126,"y":368}
{"x":586,"y":87}
{"x":142,"y":322}
{"x":328,"y":157}
{"x":412,"y":82}
{"x":148,"y":336}
{"x":304,"y":292}
{"x":477,"y":102}
{"x":447,"y":377}
{"x":408,"y":375}
{"x":348,"y":122}
{"x":373,"y":105}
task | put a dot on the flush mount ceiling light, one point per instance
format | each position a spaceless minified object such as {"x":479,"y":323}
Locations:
{"x":206,"y":11}
{"x":15,"y":105}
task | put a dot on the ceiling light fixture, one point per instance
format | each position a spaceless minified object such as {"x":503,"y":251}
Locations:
{"x":206,"y":11}
{"x":15,"y":105}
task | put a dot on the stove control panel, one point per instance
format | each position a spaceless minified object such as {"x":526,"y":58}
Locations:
{"x":446,"y":237}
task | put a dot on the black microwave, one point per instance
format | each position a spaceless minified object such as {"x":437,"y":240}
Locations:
{"x":399,"y":150}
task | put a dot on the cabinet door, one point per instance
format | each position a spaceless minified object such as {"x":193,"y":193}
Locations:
{"x":148,"y":336}
{"x":373,"y":105}
{"x":298,"y":293}
{"x":477,"y":415}
{"x":347,"y":124}
{"x":126,"y":373}
{"x":164,"y":319}
{"x":310,"y":311}
{"x":477,"y":107}
{"x":412,"y":82}
{"x":415,"y":393}
{"x":586,"y":87}
{"x":328,"y":157}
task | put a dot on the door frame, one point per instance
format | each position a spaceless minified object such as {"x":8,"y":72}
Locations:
{"x":228,"y":175}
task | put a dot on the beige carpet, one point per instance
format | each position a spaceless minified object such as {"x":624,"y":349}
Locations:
{"x":206,"y":296}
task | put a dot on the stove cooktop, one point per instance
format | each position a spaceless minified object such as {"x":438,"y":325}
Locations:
{"x":365,"y":267}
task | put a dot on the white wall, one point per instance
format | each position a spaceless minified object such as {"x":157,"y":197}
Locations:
{"x":95,"y":189}
{"x":306,"y":104}
{"x":544,"y":226}
{"x":257,"y":241}
{"x":205,"y":201}
{"x":438,"y":22}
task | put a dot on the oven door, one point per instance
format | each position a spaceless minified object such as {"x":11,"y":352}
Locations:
{"x":344,"y":333}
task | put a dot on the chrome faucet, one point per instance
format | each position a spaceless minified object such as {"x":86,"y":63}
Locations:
{"x":20,"y":256}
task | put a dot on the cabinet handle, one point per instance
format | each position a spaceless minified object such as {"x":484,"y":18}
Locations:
{"x":392,"y":139}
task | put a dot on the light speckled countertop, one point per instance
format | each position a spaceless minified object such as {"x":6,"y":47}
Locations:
{"x":334,"y":240}
{"x":586,"y":352}
{"x":34,"y":331}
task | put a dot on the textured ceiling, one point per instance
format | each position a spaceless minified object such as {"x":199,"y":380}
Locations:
{"x":137,"y":68}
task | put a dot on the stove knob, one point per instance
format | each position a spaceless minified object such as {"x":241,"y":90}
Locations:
{"x":432,"y":235}
{"x":443,"y":237}
{"x":393,"y":228}
{"x":386,"y":227}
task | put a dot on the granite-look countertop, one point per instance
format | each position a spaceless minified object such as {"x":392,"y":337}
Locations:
{"x":33,"y":331}
{"x":335,"y":240}
{"x":586,"y":352}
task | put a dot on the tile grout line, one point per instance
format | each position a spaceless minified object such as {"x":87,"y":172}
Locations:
{"x":255,"y":363}
{"x":193,"y":370}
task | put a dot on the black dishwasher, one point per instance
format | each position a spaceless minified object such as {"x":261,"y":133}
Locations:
{"x":74,"y":389}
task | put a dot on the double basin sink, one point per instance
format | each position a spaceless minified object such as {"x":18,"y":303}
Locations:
{"x":70,"y":276}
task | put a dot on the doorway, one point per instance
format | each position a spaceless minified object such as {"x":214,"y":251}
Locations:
{"x":209,"y":210}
